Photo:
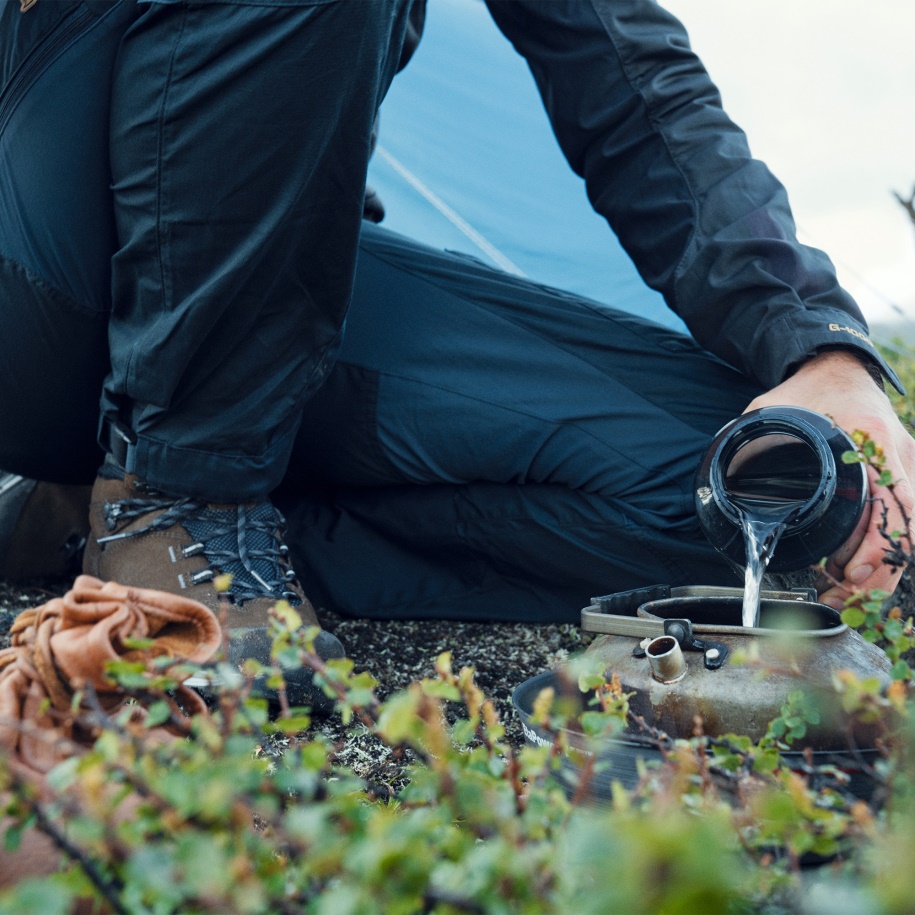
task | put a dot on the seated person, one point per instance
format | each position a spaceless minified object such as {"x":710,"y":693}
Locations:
{"x":181,"y":192}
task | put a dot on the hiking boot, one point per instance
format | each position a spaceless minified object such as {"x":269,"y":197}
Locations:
{"x":43,"y":528}
{"x":142,"y":537}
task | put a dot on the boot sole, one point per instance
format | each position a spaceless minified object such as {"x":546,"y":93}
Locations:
{"x":255,"y":643}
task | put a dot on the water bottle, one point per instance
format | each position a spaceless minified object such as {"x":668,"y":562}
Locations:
{"x":783,"y":465}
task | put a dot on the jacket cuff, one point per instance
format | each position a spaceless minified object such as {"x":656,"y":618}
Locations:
{"x":847,"y":334}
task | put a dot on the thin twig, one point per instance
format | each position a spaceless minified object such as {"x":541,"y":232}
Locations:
{"x":109,"y":887}
{"x":908,"y":205}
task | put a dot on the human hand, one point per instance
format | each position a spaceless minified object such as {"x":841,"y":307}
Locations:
{"x":837,"y":384}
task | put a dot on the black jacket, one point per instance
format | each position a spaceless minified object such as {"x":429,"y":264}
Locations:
{"x":708,"y":226}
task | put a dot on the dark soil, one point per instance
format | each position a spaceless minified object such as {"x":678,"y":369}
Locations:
{"x":396,"y":653}
{"x":16,"y":598}
{"x":399,"y":652}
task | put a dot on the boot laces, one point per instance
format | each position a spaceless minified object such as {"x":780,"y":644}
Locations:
{"x":244,"y":541}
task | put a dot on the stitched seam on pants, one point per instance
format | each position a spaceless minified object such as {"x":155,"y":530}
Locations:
{"x":128,"y":373}
{"x":626,"y":455}
{"x":439,"y":284}
{"x":370,"y":381}
{"x":58,"y":296}
{"x":160,"y":144}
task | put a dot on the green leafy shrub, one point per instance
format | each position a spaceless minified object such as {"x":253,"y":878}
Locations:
{"x":901,"y":357}
{"x":221,"y":821}
{"x":244,"y":814}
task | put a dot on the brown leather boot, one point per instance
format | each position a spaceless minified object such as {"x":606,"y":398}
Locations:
{"x":43,"y":527}
{"x":148,"y":539}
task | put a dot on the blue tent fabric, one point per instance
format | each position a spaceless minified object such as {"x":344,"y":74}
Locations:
{"x":467,"y":162}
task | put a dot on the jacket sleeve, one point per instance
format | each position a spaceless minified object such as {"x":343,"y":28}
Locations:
{"x":708,"y":226}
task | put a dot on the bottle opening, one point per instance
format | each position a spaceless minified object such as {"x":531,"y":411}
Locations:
{"x":773,"y":475}
{"x":780,"y":466}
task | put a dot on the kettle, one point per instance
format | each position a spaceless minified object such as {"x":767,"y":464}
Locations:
{"x":673,"y":651}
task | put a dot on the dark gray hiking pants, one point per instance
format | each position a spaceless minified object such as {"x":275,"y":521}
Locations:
{"x":473,"y":445}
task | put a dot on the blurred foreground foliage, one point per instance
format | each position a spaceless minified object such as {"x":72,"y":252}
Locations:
{"x":210,"y":822}
{"x":901,"y":358}
{"x":244,"y":814}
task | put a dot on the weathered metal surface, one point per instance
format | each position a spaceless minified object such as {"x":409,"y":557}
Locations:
{"x":742,"y":698}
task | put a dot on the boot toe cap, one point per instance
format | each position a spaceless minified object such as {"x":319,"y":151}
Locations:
{"x":255,"y":643}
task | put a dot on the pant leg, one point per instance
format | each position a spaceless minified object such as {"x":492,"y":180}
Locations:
{"x":239,"y":146}
{"x":490,"y":448}
{"x":56,"y":232}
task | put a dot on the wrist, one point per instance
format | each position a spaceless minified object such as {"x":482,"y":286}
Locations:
{"x":842,"y":364}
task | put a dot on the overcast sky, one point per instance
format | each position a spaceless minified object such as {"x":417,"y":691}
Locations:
{"x":825,"y":89}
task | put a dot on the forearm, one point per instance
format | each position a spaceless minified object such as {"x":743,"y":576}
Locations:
{"x":640,"y":120}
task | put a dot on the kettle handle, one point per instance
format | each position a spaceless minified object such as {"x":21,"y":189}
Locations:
{"x":618,"y":609}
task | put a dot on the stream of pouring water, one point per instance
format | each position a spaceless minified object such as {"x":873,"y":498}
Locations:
{"x":761,"y":534}
{"x":769,"y":486}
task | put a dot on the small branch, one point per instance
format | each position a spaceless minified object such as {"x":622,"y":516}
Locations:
{"x":433,"y":897}
{"x":584,"y":782}
{"x":367,"y":714}
{"x":897,"y":557}
{"x":109,"y":888}
{"x":662,"y":739}
{"x":908,"y":205}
